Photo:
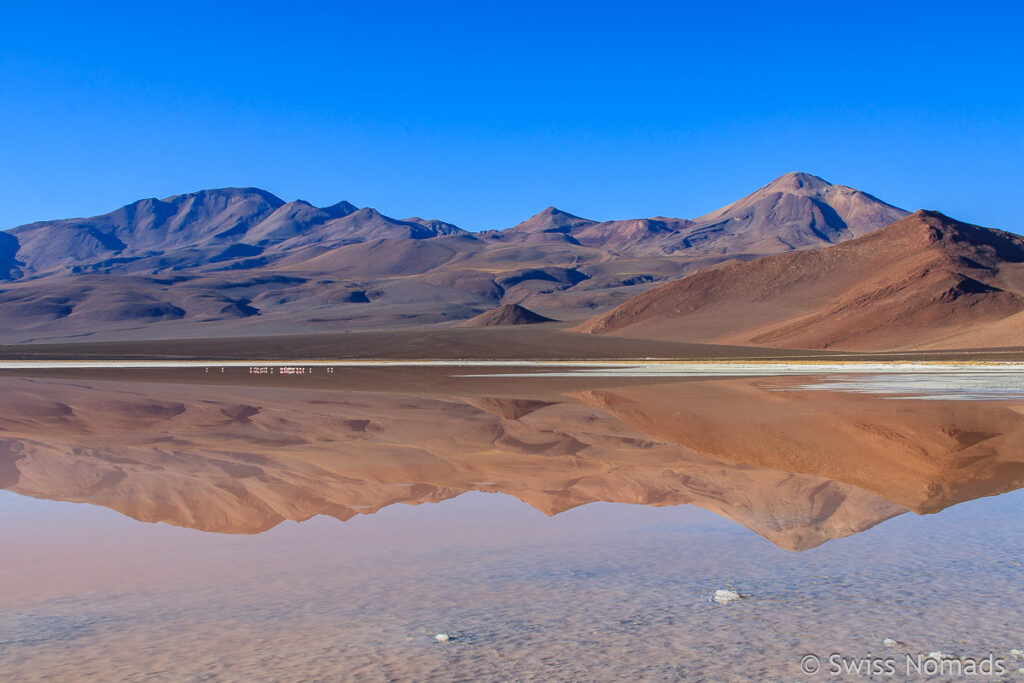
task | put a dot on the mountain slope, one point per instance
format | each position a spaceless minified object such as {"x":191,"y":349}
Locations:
{"x":926,"y":280}
{"x":293,"y":219}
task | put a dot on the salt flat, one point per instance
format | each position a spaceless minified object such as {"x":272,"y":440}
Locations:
{"x":568,"y":368}
{"x":766,"y":369}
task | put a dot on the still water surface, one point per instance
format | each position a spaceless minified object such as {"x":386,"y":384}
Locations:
{"x":276,"y":528}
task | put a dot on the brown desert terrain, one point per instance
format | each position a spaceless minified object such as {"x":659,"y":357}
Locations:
{"x":924,"y":282}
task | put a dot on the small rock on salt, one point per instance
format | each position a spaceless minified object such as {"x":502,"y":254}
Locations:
{"x":891,"y":642}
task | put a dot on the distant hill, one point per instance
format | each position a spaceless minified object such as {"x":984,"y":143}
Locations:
{"x":507,"y":314}
{"x":926,"y":281}
{"x":241,"y":261}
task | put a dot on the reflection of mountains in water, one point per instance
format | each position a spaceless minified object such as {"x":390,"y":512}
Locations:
{"x":798,"y":468}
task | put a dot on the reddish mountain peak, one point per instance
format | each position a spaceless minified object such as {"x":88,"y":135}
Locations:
{"x":797,"y":181}
{"x":342,"y":208}
{"x":438,"y":226}
{"x":551,"y":219}
{"x":228,"y":194}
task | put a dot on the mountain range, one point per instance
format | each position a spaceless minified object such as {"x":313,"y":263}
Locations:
{"x":243,"y":262}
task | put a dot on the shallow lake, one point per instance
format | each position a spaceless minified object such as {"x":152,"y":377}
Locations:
{"x":177,"y":524}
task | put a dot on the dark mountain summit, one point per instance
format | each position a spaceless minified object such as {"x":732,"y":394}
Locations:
{"x":508,"y":314}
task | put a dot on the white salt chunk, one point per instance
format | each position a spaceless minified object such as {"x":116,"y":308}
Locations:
{"x":890,"y":642}
{"x":724,"y":597}
{"x":442,"y":637}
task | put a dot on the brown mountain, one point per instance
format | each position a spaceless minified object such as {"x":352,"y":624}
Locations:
{"x":241,"y":261}
{"x":507,"y":314}
{"x":926,"y":281}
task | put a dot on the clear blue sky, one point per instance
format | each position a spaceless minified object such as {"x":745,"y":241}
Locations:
{"x":482,"y":115}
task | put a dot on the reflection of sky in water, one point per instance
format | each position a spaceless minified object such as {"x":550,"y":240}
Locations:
{"x":996,"y":381}
{"x":762,"y":369}
{"x":960,"y":386}
{"x":601,"y":592}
